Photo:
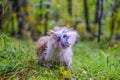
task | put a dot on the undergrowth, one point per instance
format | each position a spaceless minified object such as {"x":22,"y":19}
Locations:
{"x":90,"y":62}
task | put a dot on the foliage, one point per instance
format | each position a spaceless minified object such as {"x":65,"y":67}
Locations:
{"x":19,"y":61}
{"x":35,"y":26}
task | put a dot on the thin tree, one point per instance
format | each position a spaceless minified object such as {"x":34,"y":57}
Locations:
{"x":25,"y":5}
{"x":86,"y":12}
{"x":100,"y":13}
{"x":97,"y":12}
{"x":41,"y":7}
{"x":46,"y":16}
{"x":16,"y":6}
{"x":115,"y":6}
{"x":1,"y":12}
{"x":70,"y":7}
{"x":112,"y":21}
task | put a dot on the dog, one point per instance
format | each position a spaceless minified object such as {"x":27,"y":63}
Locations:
{"x":57,"y":47}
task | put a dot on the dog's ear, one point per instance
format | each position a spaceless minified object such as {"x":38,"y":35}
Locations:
{"x":56,"y":28}
{"x":50,"y":32}
{"x":77,"y":37}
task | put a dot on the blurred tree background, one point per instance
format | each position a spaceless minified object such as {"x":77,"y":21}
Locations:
{"x":96,"y":56}
{"x":93,"y":19}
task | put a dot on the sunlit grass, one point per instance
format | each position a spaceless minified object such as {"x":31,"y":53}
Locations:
{"x":18,"y":60}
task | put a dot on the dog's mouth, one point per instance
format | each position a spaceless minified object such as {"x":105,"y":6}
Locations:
{"x":65,"y":44}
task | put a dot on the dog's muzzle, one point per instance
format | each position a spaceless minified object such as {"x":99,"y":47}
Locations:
{"x":64,"y":41}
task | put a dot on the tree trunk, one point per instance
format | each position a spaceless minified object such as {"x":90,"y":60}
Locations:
{"x":100,"y":18}
{"x":46,"y":17}
{"x":16,"y":8}
{"x":86,"y":12}
{"x":97,"y":12}
{"x":112,"y":24}
{"x":25,"y":5}
{"x":70,"y":7}
{"x":41,"y":6}
{"x":1,"y":14}
{"x":115,"y":6}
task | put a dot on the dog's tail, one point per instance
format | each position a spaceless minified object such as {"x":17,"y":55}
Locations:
{"x":41,"y":45}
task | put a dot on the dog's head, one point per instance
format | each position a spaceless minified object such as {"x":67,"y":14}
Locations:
{"x":64,"y":36}
{"x":57,"y":32}
{"x":68,"y":38}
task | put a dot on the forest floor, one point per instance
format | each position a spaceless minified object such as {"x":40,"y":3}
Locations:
{"x":90,"y":62}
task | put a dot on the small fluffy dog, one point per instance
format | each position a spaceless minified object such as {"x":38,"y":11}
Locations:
{"x":57,"y":47}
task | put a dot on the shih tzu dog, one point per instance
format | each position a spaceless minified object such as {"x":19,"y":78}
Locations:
{"x":57,"y":47}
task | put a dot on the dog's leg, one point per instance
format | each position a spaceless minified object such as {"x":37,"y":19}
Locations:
{"x":69,"y":64}
{"x":42,"y":59}
{"x":68,"y":58}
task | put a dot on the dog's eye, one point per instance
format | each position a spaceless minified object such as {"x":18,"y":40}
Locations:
{"x":64,"y":36}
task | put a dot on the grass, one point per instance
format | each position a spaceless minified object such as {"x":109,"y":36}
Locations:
{"x":90,"y":62}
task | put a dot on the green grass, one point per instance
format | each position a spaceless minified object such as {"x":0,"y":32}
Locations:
{"x":90,"y":62}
